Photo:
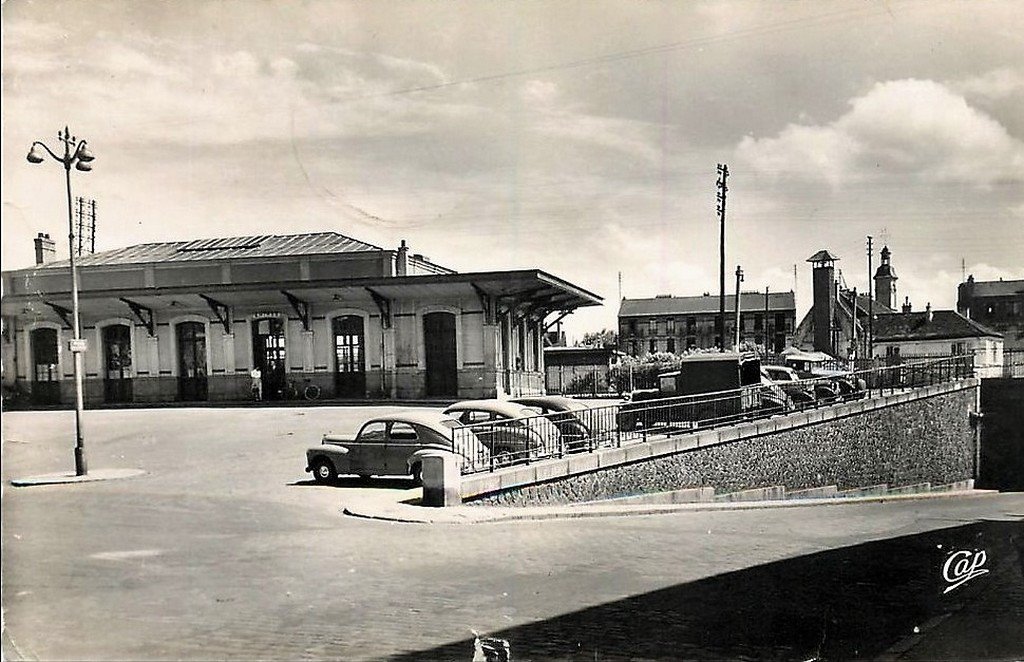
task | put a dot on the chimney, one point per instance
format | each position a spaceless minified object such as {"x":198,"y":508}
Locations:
{"x":402,"y":263}
{"x":45,"y":248}
{"x":906,"y":304}
{"x":824,"y":309}
{"x":928,"y":311}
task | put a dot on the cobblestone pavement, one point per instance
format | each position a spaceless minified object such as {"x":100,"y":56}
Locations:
{"x":224,"y":550}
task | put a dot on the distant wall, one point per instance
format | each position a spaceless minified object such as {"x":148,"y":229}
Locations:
{"x":923,"y":436}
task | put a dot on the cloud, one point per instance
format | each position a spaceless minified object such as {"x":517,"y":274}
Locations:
{"x":994,"y":85}
{"x":918,"y":128}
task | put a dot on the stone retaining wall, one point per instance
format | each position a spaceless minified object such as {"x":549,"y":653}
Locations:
{"x":924,"y":439}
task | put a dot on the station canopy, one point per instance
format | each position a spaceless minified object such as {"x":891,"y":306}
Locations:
{"x":529,"y":291}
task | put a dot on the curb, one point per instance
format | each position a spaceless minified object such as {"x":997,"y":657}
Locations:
{"x":69,"y":478}
{"x":411,"y":514}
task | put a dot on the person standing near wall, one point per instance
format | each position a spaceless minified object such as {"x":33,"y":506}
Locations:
{"x":256,"y":388}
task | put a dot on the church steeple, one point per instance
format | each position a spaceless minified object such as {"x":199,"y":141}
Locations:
{"x":885,"y":281}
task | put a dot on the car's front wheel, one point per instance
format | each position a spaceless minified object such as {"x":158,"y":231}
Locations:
{"x":323,"y":471}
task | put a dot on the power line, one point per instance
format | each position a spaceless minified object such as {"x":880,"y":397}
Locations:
{"x":857,"y":12}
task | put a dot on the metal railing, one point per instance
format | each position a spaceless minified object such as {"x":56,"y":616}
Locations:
{"x":496,"y":444}
{"x":1013,"y":363}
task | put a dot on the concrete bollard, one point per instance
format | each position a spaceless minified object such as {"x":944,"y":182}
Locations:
{"x":441,"y":478}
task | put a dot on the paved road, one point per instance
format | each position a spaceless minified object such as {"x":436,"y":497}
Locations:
{"x":224,"y":550}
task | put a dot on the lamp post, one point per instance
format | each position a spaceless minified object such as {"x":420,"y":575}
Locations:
{"x":78,"y":155}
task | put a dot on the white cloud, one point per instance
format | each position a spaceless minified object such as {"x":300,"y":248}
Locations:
{"x":912,"y":127}
{"x":542,"y":92}
{"x":994,"y":85}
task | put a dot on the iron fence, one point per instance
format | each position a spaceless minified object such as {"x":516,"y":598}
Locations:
{"x":498,"y":443}
{"x":1013,"y":363}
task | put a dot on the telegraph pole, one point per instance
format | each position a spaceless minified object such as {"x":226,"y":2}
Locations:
{"x":723,"y":174}
{"x":871,"y":305}
{"x":853,"y":334}
{"x":765,"y":328}
{"x":739,"y":279}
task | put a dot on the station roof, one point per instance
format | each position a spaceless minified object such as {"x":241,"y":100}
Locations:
{"x":223,"y":248}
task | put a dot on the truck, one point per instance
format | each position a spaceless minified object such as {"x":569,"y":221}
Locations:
{"x":706,"y":389}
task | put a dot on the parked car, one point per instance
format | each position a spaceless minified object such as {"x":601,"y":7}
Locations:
{"x":787,"y":378}
{"x":829,"y":385}
{"x":774,"y":398}
{"x":737,"y":374}
{"x":567,"y":414}
{"x":846,"y":385}
{"x":508,"y":430}
{"x":391,"y":446}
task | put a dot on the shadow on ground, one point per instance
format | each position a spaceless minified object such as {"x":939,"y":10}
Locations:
{"x":363,"y":483}
{"x":849,"y":603}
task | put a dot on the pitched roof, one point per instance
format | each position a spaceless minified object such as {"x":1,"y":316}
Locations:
{"x":944,"y":324}
{"x":995,"y":288}
{"x":822,"y":256}
{"x":672,"y":305}
{"x":257,"y":246}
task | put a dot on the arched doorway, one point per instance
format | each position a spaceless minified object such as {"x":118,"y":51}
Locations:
{"x":45,"y":376}
{"x":117,"y":363}
{"x":268,"y":345}
{"x":191,"y":361}
{"x":349,"y":356}
{"x":440,"y":354}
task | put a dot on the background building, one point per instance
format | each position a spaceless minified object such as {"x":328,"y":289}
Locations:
{"x":675,"y":324}
{"x":939,"y":333}
{"x":838,"y":320}
{"x":998,"y":304}
{"x":187,"y":321}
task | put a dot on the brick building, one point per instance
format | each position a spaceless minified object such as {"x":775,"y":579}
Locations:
{"x":675,"y":324}
{"x":838,"y":320}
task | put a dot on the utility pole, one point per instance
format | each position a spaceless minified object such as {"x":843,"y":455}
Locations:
{"x":723,"y":175}
{"x":620,"y":286}
{"x":767,"y":334}
{"x":739,"y":279}
{"x":853,"y":334}
{"x":871,"y":304}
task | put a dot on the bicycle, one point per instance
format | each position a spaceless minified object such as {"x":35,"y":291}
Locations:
{"x":310,"y":391}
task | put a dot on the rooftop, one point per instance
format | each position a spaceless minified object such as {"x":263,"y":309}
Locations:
{"x":994,"y":288}
{"x":257,"y":246}
{"x":672,"y":305}
{"x":944,"y":324}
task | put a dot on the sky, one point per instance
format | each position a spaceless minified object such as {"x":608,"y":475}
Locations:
{"x":577,"y":137}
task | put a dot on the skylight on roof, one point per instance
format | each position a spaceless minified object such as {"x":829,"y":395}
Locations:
{"x":237,"y":243}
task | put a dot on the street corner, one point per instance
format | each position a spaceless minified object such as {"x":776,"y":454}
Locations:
{"x":70,"y":478}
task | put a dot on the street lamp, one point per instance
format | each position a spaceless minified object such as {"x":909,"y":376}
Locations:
{"x":77,"y":154}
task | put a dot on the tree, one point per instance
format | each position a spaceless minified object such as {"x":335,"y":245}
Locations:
{"x":602,"y":338}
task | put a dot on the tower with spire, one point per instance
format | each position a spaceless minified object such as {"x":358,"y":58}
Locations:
{"x":885,"y":281}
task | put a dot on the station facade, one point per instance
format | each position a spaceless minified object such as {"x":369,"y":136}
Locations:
{"x":188,"y":321}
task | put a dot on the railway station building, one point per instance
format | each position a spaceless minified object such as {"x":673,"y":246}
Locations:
{"x":188,"y":321}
